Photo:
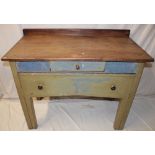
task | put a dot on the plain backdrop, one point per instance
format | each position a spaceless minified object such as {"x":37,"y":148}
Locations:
{"x":143,"y":35}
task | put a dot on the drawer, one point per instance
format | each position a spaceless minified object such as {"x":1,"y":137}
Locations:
{"x":37,"y":66}
{"x":57,"y":66}
{"x":77,"y":66}
{"x":56,"y":84}
{"x":120,"y":67}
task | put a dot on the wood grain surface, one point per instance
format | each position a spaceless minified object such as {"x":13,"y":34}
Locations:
{"x":79,"y":32}
{"x":77,"y":44}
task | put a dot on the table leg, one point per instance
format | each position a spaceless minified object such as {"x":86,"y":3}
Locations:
{"x":26,"y":102}
{"x":122,"y":113}
{"x":30,"y":107}
{"x":126,"y":102}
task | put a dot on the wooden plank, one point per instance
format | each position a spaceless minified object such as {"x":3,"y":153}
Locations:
{"x":87,"y":47}
{"x":60,"y":84}
{"x":79,"y":32}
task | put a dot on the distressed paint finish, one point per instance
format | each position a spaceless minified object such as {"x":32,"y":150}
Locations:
{"x":37,"y":48}
{"x":25,"y":100}
{"x":71,"y":66}
{"x":77,"y":84}
{"x":57,"y":84}
{"x":120,"y":67}
{"x":38,"y":66}
{"x":126,"y":101}
{"x":59,"y":66}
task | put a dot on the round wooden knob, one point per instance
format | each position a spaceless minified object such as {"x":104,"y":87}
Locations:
{"x":40,"y":87}
{"x":113,"y":87}
{"x":77,"y":67}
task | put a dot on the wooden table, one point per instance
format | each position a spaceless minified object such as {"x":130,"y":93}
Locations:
{"x":77,"y":62}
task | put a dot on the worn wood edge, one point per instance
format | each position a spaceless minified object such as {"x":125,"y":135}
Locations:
{"x":77,"y":59}
{"x":79,"y":32}
{"x":151,"y":59}
{"x":4,"y":57}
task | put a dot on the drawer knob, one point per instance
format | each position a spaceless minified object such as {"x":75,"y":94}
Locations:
{"x":77,"y":67}
{"x":113,"y":87}
{"x":40,"y":87}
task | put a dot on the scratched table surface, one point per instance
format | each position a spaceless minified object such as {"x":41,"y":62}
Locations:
{"x":76,"y":44}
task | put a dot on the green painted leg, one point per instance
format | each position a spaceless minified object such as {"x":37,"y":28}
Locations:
{"x":122,"y":113}
{"x":26,"y":103}
{"x":126,"y":102}
{"x":30,"y":107}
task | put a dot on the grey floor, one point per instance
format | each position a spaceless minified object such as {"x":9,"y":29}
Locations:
{"x":78,"y":114}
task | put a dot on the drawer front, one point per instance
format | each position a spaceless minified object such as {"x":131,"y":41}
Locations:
{"x":38,"y":66}
{"x":57,"y":66}
{"x":77,"y":66}
{"x":56,"y":84}
{"x":120,"y":67}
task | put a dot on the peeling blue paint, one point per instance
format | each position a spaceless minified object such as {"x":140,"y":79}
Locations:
{"x":71,"y":66}
{"x":108,"y":67}
{"x":37,"y":66}
{"x":82,"y":85}
{"x":120,"y":67}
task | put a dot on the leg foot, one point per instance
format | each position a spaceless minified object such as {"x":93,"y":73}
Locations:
{"x":122,"y":113}
{"x":31,"y":112}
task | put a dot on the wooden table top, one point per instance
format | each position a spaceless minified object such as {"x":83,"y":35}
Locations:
{"x":76,"y":44}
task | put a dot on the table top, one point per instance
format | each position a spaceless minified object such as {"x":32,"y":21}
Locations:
{"x":76,"y":44}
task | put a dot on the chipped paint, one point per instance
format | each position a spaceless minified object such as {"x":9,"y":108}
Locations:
{"x":97,"y":85}
{"x":69,"y":66}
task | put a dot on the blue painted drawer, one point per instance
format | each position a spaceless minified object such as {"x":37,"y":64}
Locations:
{"x":120,"y":67}
{"x":38,"y":66}
{"x":76,"y":66}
